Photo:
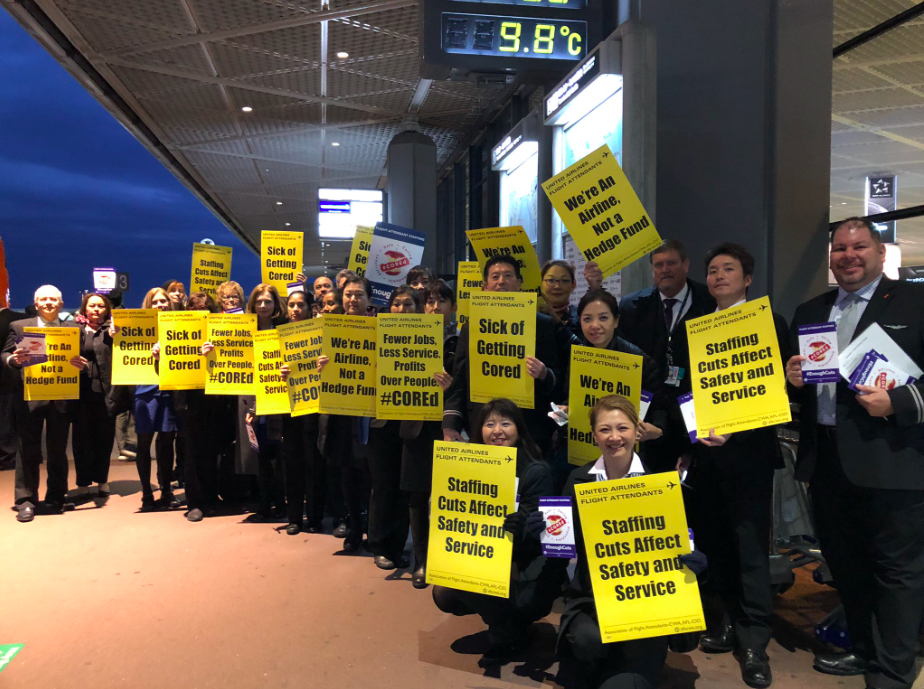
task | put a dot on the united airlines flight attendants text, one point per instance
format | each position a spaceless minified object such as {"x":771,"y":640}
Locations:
{"x":537,"y":582}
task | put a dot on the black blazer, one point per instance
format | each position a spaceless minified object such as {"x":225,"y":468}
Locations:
{"x":875,"y":453}
{"x":553,"y":348}
{"x":641,"y":322}
{"x":17,"y":330}
{"x":8,"y":375}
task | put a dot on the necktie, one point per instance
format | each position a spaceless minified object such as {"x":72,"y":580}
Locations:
{"x":669,"y":313}
{"x":847,"y":323}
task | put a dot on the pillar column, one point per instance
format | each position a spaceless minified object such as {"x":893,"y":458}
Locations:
{"x":411,"y":188}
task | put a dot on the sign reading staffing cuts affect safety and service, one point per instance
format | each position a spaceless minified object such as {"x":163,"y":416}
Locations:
{"x":270,"y":389}
{"x":596,"y":373}
{"x":281,"y":257}
{"x":502,"y":333}
{"x":230,"y":365}
{"x":508,"y":241}
{"x":410,"y":351}
{"x":602,"y":212}
{"x":736,"y":370}
{"x":348,"y":379}
{"x":359,"y":251}
{"x":394,"y":251}
{"x":473,"y":491}
{"x":634,"y":531}
{"x":300,"y":344}
{"x":132,"y":361}
{"x":182,"y":366}
{"x":469,"y":280}
{"x":56,"y":379}
{"x":211,"y":266}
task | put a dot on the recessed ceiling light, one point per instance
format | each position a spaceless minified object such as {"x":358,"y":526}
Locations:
{"x":343,"y":55}
{"x":843,"y":203}
{"x":335,"y":143}
{"x":247,"y":108}
{"x":279,"y":203}
{"x":288,"y":224}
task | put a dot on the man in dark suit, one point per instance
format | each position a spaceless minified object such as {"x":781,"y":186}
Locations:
{"x":54,"y":416}
{"x":7,"y":396}
{"x":549,"y":367}
{"x":863,"y":455}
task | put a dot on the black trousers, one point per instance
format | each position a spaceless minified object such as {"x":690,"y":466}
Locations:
{"x":7,"y":428}
{"x":29,"y":425}
{"x":732,"y":527}
{"x":305,"y":469}
{"x":164,"y":449}
{"x":94,"y":434}
{"x":632,"y":664}
{"x":201,"y":425}
{"x":873,"y":542}
{"x":388,"y":504}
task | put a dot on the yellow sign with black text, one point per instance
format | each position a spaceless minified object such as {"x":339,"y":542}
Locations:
{"x":737,"y":370}
{"x":348,"y":379}
{"x":634,"y":532}
{"x":359,"y":251}
{"x":132,"y":360}
{"x":410,"y":351}
{"x":473,"y":491}
{"x":281,"y":257}
{"x":300,"y":345}
{"x":182,"y":366}
{"x":469,"y":280}
{"x":211,"y":266}
{"x":596,"y":373}
{"x":508,"y":241}
{"x":56,"y":379}
{"x":602,"y":212}
{"x":230,"y":364}
{"x":501,"y":333}
{"x":271,"y":391}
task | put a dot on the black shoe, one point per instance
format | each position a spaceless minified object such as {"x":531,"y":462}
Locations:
{"x":194,"y":515}
{"x":419,"y":578}
{"x":53,"y":507}
{"x":352,"y":542}
{"x":25,"y":512}
{"x":383,"y":562}
{"x":341,"y":530}
{"x":166,"y":501}
{"x":402,"y":561}
{"x":840,"y":664}
{"x":722,"y":642}
{"x":755,"y":668}
{"x":507,"y":645}
{"x":293,"y":529}
{"x":147,"y":505}
{"x":313,"y":527}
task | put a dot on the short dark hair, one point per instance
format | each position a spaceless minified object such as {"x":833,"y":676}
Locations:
{"x":669,"y":245}
{"x":357,"y":280}
{"x":736,"y":251}
{"x":441,"y":290}
{"x":108,"y":304}
{"x":598,"y":294}
{"x":309,"y":297}
{"x":528,"y":449}
{"x":404,"y":290}
{"x":418,"y":272}
{"x":861,"y":222}
{"x":501,"y":258}
{"x":557,"y":263}
{"x":201,"y":301}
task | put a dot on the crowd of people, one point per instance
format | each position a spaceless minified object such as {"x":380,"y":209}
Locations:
{"x":862,"y":454}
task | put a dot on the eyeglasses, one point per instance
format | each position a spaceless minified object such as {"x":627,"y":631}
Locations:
{"x":552,"y":282}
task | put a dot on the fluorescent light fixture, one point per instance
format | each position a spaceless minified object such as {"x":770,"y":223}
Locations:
{"x":343,"y":55}
{"x":247,"y":108}
{"x":602,"y":88}
{"x":518,"y":155}
{"x":334,"y":143}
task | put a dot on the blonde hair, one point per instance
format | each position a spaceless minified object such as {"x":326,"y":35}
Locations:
{"x":148,"y":302}
{"x":613,"y":403}
{"x":226,"y":288}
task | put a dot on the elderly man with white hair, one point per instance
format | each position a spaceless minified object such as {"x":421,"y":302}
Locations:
{"x":52,"y":416}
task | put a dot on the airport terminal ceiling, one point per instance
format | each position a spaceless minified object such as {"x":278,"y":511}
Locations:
{"x":330,"y":83}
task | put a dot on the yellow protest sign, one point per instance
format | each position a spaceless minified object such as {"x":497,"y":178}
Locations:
{"x":501,"y":334}
{"x":348,"y":380}
{"x":737,"y":370}
{"x":270,"y":389}
{"x":281,"y":257}
{"x":132,"y":361}
{"x":55,"y":379}
{"x":230,"y":365}
{"x":602,"y":212}
{"x":182,"y":366}
{"x":508,"y":241}
{"x":634,"y":531}
{"x":300,"y":345}
{"x":469,"y":280}
{"x":596,"y":373}
{"x":359,"y":251}
{"x":410,"y":351}
{"x":211,"y":266}
{"x":473,"y":491}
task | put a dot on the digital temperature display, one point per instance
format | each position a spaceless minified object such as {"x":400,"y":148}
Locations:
{"x":558,"y":4}
{"x":488,"y":34}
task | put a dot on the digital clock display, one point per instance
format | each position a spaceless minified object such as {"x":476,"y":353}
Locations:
{"x":558,"y":4}
{"x":486,"y":34}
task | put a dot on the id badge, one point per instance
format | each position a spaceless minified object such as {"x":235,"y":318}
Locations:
{"x":674,"y":375}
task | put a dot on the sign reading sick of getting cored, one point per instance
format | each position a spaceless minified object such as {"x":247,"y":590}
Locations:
{"x":737,"y":370}
{"x":602,"y":212}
